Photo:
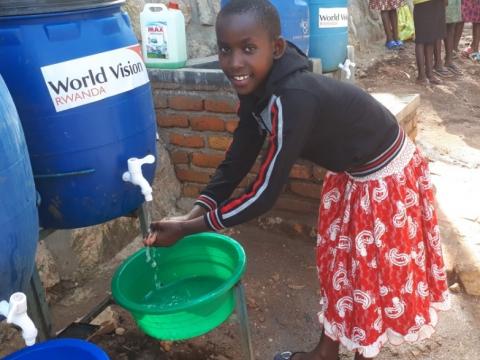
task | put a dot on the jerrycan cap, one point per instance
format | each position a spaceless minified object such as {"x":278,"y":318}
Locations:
{"x":173,"y":5}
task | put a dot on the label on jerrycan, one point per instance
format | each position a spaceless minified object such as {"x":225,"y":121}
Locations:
{"x":95,"y":77}
{"x":157,"y":44}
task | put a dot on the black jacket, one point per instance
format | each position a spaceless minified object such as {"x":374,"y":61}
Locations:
{"x":301,"y":115}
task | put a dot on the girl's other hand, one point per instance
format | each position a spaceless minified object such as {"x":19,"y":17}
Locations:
{"x":164,"y":233}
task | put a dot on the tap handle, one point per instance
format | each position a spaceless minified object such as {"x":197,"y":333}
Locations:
{"x":135,"y":164}
{"x":17,"y":305}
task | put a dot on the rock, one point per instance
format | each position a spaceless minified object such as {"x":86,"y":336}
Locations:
{"x":207,"y":12}
{"x":469,"y":278}
{"x":120,"y":331}
{"x":47,"y":266}
{"x":106,"y":316}
{"x":455,"y":288}
{"x":166,"y":345}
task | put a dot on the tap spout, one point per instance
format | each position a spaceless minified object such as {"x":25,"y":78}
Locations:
{"x":135,"y":175}
{"x":16,"y":313}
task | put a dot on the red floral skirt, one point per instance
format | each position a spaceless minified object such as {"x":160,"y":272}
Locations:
{"x":379,"y":255}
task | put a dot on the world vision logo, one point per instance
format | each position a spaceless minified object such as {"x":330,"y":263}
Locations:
{"x":332,"y":17}
{"x":92,"y":78}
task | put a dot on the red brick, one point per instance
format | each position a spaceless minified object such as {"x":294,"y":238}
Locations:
{"x":301,"y":171}
{"x":207,"y":123}
{"x":221,"y":105}
{"x":297,"y":204}
{"x":182,"y":102}
{"x":179,"y":157}
{"x":231,"y":125}
{"x":219,"y":142}
{"x":171,"y":120}
{"x":159,"y":101}
{"x":207,"y":160}
{"x":306,"y":189}
{"x":319,"y":172}
{"x":185,"y":173}
{"x":191,"y":190}
{"x":191,"y":141}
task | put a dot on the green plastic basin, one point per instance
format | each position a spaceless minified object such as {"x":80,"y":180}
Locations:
{"x":182,"y":291}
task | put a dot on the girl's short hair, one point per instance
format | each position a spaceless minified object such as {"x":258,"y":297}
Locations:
{"x":263,"y":10}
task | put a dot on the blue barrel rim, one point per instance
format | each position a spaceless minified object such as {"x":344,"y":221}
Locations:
{"x":20,"y":9}
{"x":70,"y":343}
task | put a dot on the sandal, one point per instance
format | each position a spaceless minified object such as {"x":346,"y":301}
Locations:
{"x":287,"y":355}
{"x":444,"y":73}
{"x":475,"y":57}
{"x":400,"y":45}
{"x":454,"y":69}
{"x":434,"y":80}
{"x":467,"y":52}
{"x":391,"y":45}
{"x":423,"y":82}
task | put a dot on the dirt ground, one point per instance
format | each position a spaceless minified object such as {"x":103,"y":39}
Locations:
{"x":280,"y":281}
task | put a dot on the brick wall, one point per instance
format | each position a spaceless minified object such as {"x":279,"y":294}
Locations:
{"x":196,"y":115}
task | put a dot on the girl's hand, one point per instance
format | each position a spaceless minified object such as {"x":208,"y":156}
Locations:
{"x":164,"y":233}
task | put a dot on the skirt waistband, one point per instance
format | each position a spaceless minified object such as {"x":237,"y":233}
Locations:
{"x":381,"y":160}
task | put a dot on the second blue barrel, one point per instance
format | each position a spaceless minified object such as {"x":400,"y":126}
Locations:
{"x":329,"y":32}
{"x":85,"y":103}
{"x":18,"y":210}
{"x":295,"y":21}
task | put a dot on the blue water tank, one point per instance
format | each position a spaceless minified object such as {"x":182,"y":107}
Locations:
{"x":18,"y":210}
{"x":85,"y":103}
{"x":329,"y":32}
{"x":60,"y":349}
{"x":294,"y":19}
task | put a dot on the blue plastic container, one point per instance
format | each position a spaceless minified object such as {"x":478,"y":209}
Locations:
{"x":18,"y":211}
{"x":60,"y":349}
{"x":329,"y":32}
{"x":85,"y":103}
{"x":294,"y":19}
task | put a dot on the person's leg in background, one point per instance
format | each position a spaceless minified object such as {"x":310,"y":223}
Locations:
{"x":458,"y":35}
{"x":429,"y":49}
{"x":438,"y":68}
{"x":476,"y":36}
{"x":421,"y":69}
{"x":449,"y":43}
{"x":392,"y":14}
{"x":387,"y":27}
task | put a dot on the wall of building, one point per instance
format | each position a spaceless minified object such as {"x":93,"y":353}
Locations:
{"x":364,"y":25}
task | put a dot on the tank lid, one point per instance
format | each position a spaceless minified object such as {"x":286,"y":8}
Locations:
{"x":31,"y":7}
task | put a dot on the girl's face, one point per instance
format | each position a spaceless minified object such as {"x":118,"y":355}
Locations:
{"x":246,"y":51}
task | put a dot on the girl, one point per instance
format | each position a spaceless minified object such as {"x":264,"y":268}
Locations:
{"x":378,"y":248}
{"x":430,"y":29}
{"x":454,"y":21}
{"x":388,"y":13}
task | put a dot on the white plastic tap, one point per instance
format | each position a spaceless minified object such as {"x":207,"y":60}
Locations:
{"x":135,"y":175}
{"x":16,"y":313}
{"x":345,"y":67}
